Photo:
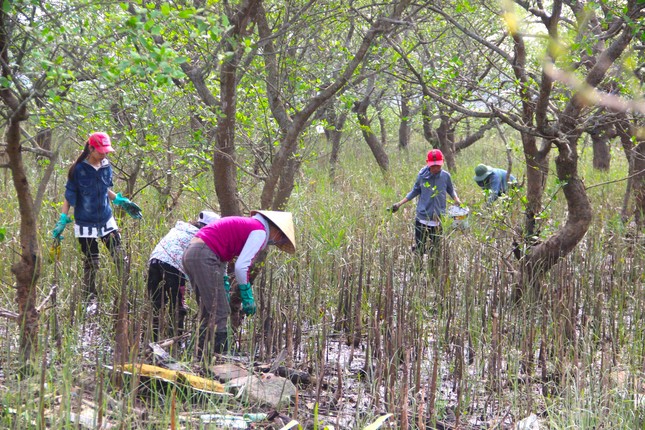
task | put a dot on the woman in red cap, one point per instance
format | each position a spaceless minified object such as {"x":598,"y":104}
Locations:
{"x":432,"y":186}
{"x":88,"y":191}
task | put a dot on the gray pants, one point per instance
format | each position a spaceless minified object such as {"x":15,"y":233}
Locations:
{"x":206,"y":272}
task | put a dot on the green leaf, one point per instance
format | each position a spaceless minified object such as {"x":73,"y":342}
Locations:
{"x":165,"y":9}
{"x":187,"y":13}
{"x":3,"y":233}
{"x":6,"y":6}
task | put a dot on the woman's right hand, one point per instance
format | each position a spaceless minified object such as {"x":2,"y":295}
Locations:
{"x":64,"y":219}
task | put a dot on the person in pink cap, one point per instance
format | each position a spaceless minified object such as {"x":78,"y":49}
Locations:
{"x":89,"y":192}
{"x":431,"y":186}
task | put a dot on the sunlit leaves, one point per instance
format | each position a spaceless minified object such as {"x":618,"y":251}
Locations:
{"x":510,"y":17}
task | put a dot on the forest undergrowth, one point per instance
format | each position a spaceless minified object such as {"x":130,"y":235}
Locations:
{"x":439,"y":344}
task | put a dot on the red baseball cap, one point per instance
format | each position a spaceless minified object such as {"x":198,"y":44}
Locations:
{"x":435,"y":158}
{"x":101,"y":142}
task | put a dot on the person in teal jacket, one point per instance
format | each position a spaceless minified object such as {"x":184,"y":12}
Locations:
{"x":495,"y":181}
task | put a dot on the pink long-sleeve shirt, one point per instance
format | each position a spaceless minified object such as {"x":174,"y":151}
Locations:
{"x":236,"y":236}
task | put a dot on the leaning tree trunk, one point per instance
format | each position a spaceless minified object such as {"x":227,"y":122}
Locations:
{"x":543,"y":256}
{"x":370,"y":138}
{"x":471,"y":139}
{"x":382,"y":125}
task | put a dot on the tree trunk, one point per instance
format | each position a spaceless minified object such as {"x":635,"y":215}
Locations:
{"x":625,"y":132}
{"x":44,"y":140}
{"x":287,"y":182}
{"x":546,"y":254}
{"x":601,"y":152}
{"x":537,"y":172}
{"x":27,"y":268}
{"x":635,"y":154}
{"x":370,"y":138}
{"x":404,"y":125}
{"x":445,"y":134}
{"x":224,"y":169}
{"x":426,"y":116}
{"x":333,"y":136}
{"x":639,"y":184}
{"x":382,"y":126}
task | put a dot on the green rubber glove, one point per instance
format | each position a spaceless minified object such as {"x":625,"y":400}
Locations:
{"x":227,"y":288}
{"x":131,"y":208}
{"x":57,"y":233}
{"x":248,"y":304}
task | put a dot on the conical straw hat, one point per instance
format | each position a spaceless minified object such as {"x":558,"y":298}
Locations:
{"x":284,"y":221}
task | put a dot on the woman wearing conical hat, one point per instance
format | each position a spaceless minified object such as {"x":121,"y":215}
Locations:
{"x":205,"y":261}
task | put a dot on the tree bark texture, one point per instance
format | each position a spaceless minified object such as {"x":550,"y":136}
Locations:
{"x":639,"y":184}
{"x":446,"y":136}
{"x":601,"y":152}
{"x":334,"y":134}
{"x":635,"y":154}
{"x":404,"y":124}
{"x":27,"y":268}
{"x":360,"y":108}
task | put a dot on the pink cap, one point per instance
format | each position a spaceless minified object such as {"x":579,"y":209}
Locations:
{"x":101,"y":142}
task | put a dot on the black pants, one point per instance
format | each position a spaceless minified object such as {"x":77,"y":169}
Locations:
{"x":90,"y":250}
{"x":424,"y":232}
{"x":166,"y":285}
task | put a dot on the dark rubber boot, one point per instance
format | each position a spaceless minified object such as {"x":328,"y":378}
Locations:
{"x":90,"y":267}
{"x":221,"y":343}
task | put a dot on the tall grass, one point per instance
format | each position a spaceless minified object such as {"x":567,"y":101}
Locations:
{"x":378,"y":329}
